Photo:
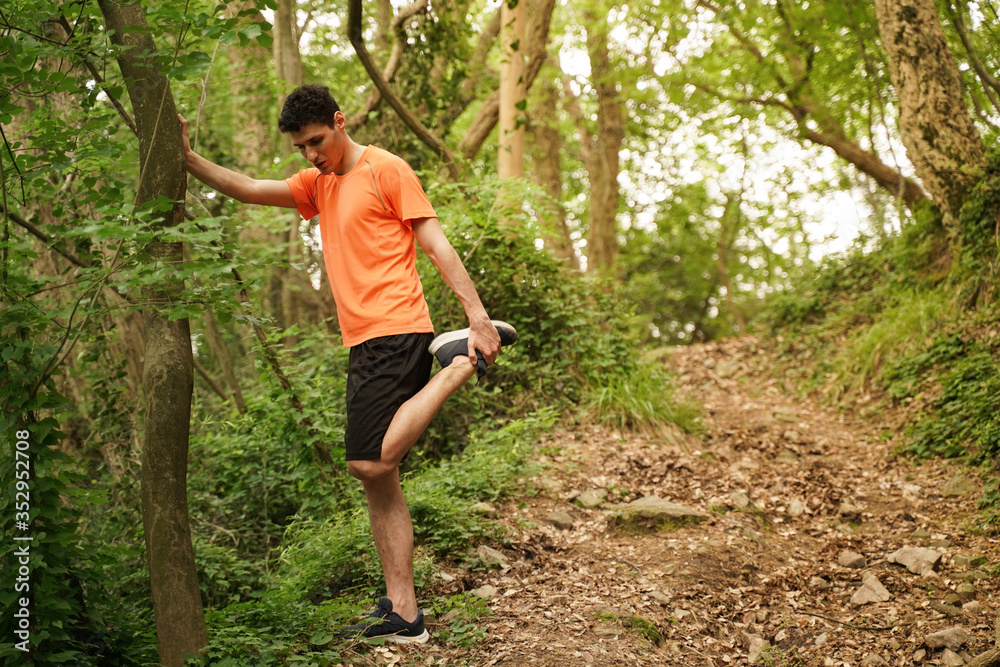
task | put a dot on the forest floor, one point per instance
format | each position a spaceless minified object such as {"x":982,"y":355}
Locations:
{"x":803,"y":508}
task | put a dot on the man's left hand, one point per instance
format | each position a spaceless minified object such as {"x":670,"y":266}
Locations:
{"x":483,"y":336}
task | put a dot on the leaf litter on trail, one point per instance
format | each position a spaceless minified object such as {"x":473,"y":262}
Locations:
{"x":787,"y":486}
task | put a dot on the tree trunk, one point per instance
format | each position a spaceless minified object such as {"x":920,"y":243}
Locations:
{"x":940,"y":138}
{"x":167,"y":374}
{"x":602,"y":237}
{"x":546,"y":147}
{"x":510,"y":159}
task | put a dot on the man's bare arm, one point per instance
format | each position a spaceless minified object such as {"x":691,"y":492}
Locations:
{"x":232,"y":184}
{"x":483,"y":335}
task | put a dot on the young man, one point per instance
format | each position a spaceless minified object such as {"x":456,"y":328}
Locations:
{"x":371,"y":208}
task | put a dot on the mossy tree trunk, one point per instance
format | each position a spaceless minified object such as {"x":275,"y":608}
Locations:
{"x":940,"y":138}
{"x":167,"y":380}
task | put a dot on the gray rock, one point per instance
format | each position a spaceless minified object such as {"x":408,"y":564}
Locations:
{"x":821,"y":639}
{"x":486,"y":592}
{"x":655,"y":512}
{"x":953,"y":638}
{"x":660,"y":598}
{"x":561,"y":520}
{"x":491,"y":557}
{"x":871,"y":591}
{"x":849,"y":512}
{"x":918,"y":560}
{"x":973,"y":575}
{"x":484,"y":509}
{"x":607,"y":630}
{"x":939,"y":544}
{"x":757,"y":647}
{"x":592,"y":498}
{"x":972,"y":607}
{"x":945,"y":608}
{"x":557,"y":600}
{"x":920,"y":534}
{"x":951,"y":659}
{"x":958,"y":486}
{"x":796,"y":508}
{"x":851,"y":559}
{"x":919,"y":655}
{"x":873,"y":660}
{"x":966,"y":591}
{"x":785,"y":415}
{"x":820,"y":584}
{"x":786,"y":456}
{"x":727,"y":369}
{"x":969,"y":560}
{"x":739,"y":499}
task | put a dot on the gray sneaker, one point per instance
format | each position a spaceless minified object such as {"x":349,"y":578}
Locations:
{"x":453,"y":344}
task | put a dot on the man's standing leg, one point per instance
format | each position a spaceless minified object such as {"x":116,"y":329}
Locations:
{"x":392,"y":531}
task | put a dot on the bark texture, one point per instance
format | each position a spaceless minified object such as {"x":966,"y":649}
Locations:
{"x":510,"y":159}
{"x":940,"y":138}
{"x":167,"y":374}
{"x":602,"y":237}
{"x":546,"y":170}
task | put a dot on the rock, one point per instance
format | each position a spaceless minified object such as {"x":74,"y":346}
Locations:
{"x":851,"y":559}
{"x":951,"y":659}
{"x":486,"y":592}
{"x":490,"y":557}
{"x":553,"y":487}
{"x":557,"y":600}
{"x":739,"y":499}
{"x":607,"y":630}
{"x":972,"y":607}
{"x":958,"y":486}
{"x":785,"y":415}
{"x":939,"y":544}
{"x":662,"y":599}
{"x":969,"y":560}
{"x":918,"y":560}
{"x":951,"y":598}
{"x":655,"y":512}
{"x":757,"y":646}
{"x":561,"y":520}
{"x":786,"y":456}
{"x":973,"y":575}
{"x":850,"y":513}
{"x":966,"y":591}
{"x":762,"y":615}
{"x":893,"y":645}
{"x":820,"y":639}
{"x":953,"y":638}
{"x":485,"y":509}
{"x":796,"y":508}
{"x":727,"y":369}
{"x":592,"y":498}
{"x":920,"y":534}
{"x":871,"y":591}
{"x":820,"y":584}
{"x":945,"y":608}
{"x":873,"y":660}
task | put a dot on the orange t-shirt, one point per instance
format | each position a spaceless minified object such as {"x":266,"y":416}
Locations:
{"x":368,"y":244}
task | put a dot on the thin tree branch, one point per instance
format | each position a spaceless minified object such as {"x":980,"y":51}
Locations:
{"x":216,"y":387}
{"x":44,"y":238}
{"x":991,"y":86}
{"x":411,"y":121}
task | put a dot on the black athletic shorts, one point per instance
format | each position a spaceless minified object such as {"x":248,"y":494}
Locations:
{"x":383,"y":374}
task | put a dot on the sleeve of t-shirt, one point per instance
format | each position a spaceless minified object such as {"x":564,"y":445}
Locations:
{"x":404,"y":193}
{"x":303,"y":186}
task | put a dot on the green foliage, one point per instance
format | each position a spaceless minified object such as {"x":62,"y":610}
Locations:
{"x":642,"y":401}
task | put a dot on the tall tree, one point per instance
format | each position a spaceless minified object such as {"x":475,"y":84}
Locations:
{"x":603,"y":165}
{"x":510,"y":159}
{"x":167,"y":375}
{"x":941,"y":140}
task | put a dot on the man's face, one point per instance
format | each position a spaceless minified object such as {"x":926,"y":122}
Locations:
{"x":322,"y":145}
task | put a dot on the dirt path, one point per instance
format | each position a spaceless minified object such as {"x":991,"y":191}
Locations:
{"x":786,"y":487}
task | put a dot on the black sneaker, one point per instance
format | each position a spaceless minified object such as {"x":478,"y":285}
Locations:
{"x":385,"y":623}
{"x":453,"y":344}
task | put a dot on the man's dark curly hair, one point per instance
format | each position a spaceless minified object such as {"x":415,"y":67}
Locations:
{"x":306,"y":105}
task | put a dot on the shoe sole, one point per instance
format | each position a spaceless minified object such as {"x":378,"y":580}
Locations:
{"x":452,"y":336}
{"x":422,"y":638}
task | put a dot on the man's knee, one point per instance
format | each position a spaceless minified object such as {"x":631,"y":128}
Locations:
{"x":369,"y":470}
